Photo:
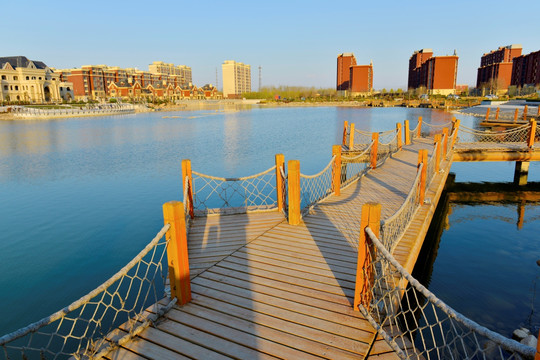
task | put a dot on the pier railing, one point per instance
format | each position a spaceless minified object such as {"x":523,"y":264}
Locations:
{"x":417,"y":324}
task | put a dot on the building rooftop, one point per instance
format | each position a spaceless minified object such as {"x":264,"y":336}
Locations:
{"x":21,"y":61}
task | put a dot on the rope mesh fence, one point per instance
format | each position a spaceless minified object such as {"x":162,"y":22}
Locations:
{"x":417,"y":324}
{"x":316,"y":187}
{"x":353,"y":167}
{"x":251,"y":193}
{"x":384,"y":150}
{"x":81,"y":329}
{"x":517,"y":135}
{"x":433,"y":129}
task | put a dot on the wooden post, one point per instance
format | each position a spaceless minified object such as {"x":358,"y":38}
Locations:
{"x":419,"y":134}
{"x":374,"y":149}
{"x":497,"y":113}
{"x":370,"y":216}
{"x":294,"y":191}
{"x":532,"y":133}
{"x":538,"y":111}
{"x":280,"y":162}
{"x":186,"y":172}
{"x":336,"y":170}
{"x":345,"y":128}
{"x":454,"y":136}
{"x":537,"y":356}
{"x":399,"y":136}
{"x":521,"y":173}
{"x":351,"y":137}
{"x":437,"y":151}
{"x":177,"y":251}
{"x":487,"y":113}
{"x":515,"y":115}
{"x":445,"y":141}
{"x":407,"y":133}
{"x":422,"y":159}
{"x":525,"y":110}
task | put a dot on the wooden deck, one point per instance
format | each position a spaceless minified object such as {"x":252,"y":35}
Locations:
{"x":264,"y":289}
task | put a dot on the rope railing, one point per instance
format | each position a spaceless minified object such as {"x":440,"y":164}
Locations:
{"x":81,"y":329}
{"x":517,"y":135}
{"x":315,"y":188}
{"x":386,"y":149}
{"x":212,"y":194}
{"x":417,"y":324}
{"x":353,"y":167}
{"x":393,"y":228}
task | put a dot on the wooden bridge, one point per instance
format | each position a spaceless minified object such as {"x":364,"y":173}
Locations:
{"x":261,"y":285}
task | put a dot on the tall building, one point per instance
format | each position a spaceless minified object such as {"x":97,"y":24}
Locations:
{"x":344,"y":62}
{"x":361,"y":79}
{"x":236,"y":79}
{"x":31,"y":81}
{"x":437,"y":74}
{"x":182,"y":71}
{"x":495,"y":69}
{"x":526,"y":70}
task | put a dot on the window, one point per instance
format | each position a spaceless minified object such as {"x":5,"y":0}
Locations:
{"x":15,"y":78}
{"x":16,"y":87}
{"x":28,"y":78}
{"x":6,"y":87}
{"x":4,"y":77}
{"x":39,"y":78}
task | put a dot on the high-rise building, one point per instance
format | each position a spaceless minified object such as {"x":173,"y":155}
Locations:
{"x":526,"y":70}
{"x":361,"y":79}
{"x":437,"y":74}
{"x":236,"y":79}
{"x":183,"y":72}
{"x":495,"y":69}
{"x":344,"y":62}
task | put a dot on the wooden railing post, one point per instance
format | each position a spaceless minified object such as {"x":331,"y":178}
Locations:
{"x":370,"y":216}
{"x":422,"y":159}
{"x":419,"y":134}
{"x":445,"y":141}
{"x":293,"y":174}
{"x":345,"y":128}
{"x":525,"y":110}
{"x":280,"y":162}
{"x":407,"y":133}
{"x":497,"y":113}
{"x":538,"y":111}
{"x":537,"y":356}
{"x":487,"y":113}
{"x":438,"y":144}
{"x":351,"y":137}
{"x":454,"y":134}
{"x":186,"y":172}
{"x":177,"y":251}
{"x":532,"y":133}
{"x":374,"y":149}
{"x":515,"y":115}
{"x":336,"y":170}
{"x":399,"y":136}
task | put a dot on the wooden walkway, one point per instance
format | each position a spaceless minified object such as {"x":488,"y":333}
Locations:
{"x":264,"y":289}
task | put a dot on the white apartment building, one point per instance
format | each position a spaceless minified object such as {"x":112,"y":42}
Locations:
{"x":183,"y":71}
{"x":236,"y":78}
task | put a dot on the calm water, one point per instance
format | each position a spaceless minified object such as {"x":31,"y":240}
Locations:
{"x":80,"y":197}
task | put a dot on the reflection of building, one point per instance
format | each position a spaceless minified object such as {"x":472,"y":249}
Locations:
{"x":31,"y":81}
{"x":495,"y":69}
{"x":236,"y":79}
{"x":437,"y":74}
{"x":526,"y":70}
{"x":353,"y":79}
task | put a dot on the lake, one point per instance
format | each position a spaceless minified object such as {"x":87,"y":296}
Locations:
{"x":82,"y":196}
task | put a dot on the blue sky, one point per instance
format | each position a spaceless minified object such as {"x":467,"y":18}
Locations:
{"x":295,"y":42}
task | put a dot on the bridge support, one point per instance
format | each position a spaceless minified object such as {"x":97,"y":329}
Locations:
{"x":370,"y":216}
{"x":521,"y":173}
{"x":497,"y":113}
{"x":399,"y":136}
{"x":177,"y":251}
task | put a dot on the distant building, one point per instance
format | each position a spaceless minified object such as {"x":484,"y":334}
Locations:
{"x":437,"y":74}
{"x":361,"y":79}
{"x":182,"y":71}
{"x":344,"y":63}
{"x":31,"y":81}
{"x":526,"y":70}
{"x":236,"y":79}
{"x":495,"y":69}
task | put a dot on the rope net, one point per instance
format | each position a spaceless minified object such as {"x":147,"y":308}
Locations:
{"x":417,"y":324}
{"x":82,"y":329}
{"x":517,"y":135}
{"x":316,"y":187}
{"x":353,"y":167}
{"x":384,"y":150}
{"x":212,"y":194}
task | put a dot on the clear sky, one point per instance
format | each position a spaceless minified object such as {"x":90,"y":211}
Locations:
{"x":295,"y":42}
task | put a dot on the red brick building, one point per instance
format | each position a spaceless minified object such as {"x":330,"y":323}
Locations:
{"x":361,"y":79}
{"x":495,"y":69}
{"x":344,"y":62}
{"x":526,"y":70}
{"x":437,"y":74}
